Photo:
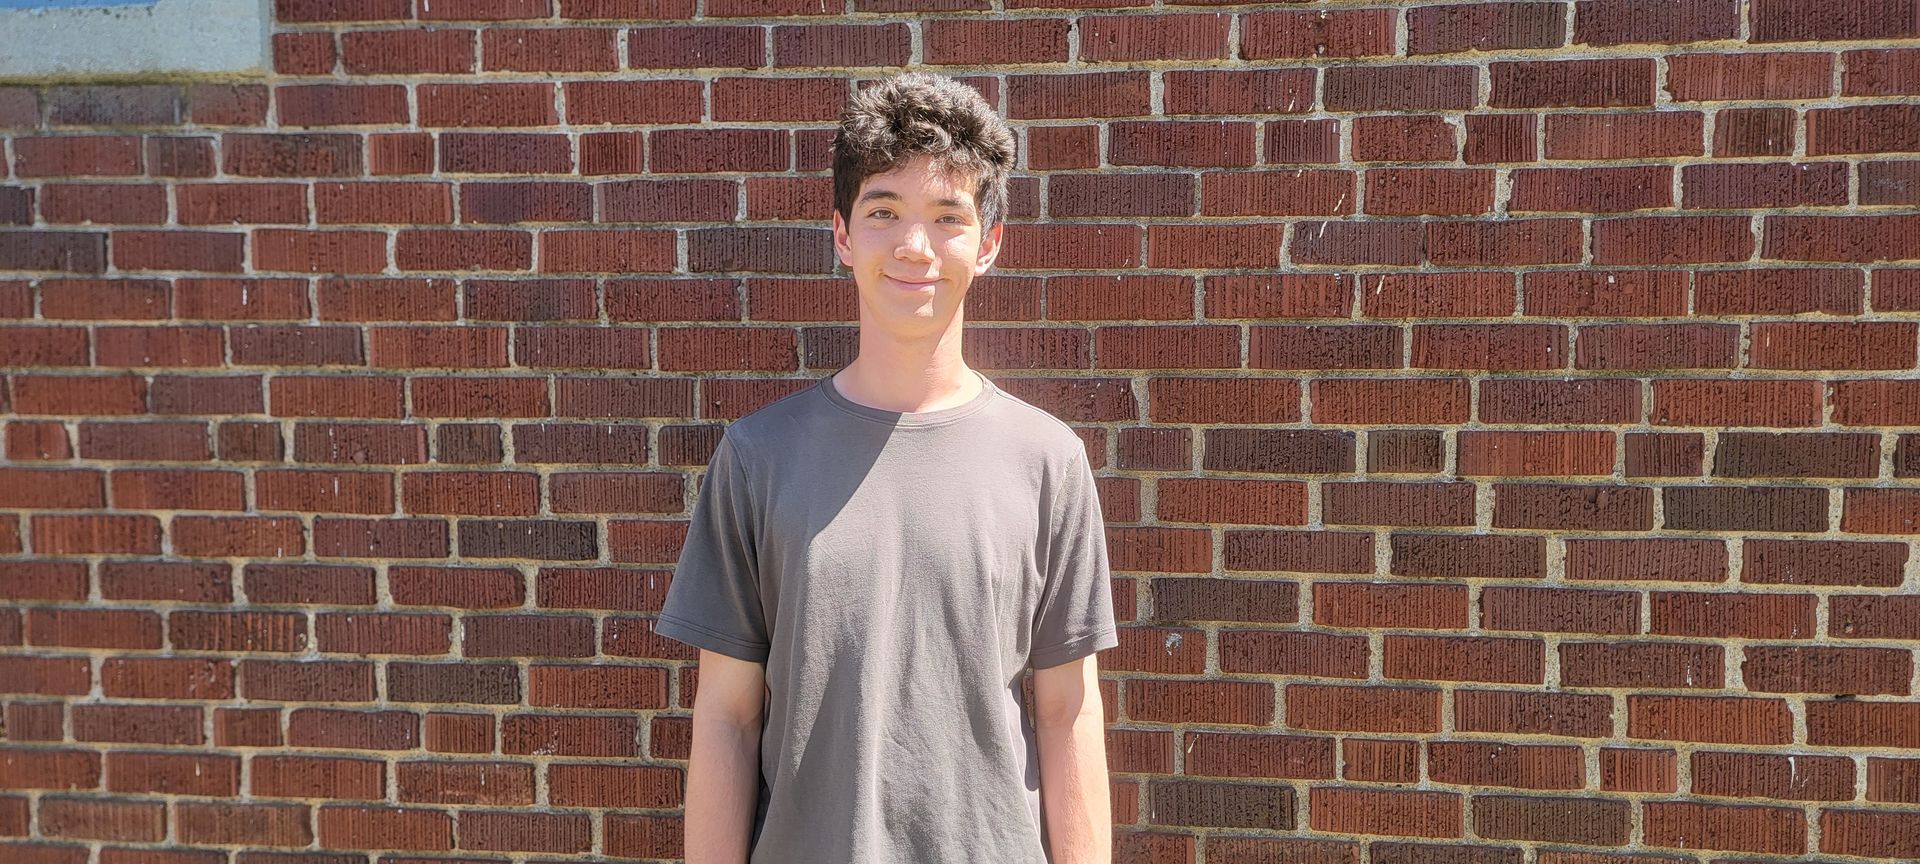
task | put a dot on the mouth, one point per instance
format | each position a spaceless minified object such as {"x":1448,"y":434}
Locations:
{"x":912,"y":286}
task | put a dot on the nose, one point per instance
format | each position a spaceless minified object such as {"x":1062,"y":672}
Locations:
{"x":914,"y":243}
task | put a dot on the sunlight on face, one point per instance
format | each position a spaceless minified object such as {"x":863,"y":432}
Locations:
{"x":914,"y":245}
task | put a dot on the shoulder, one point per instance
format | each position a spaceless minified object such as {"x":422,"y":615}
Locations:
{"x":1036,"y":432}
{"x":770,"y":421}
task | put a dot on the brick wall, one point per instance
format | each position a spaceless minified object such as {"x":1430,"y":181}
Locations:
{"x":1506,"y":414}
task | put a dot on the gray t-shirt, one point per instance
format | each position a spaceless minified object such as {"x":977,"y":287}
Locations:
{"x":896,"y":573}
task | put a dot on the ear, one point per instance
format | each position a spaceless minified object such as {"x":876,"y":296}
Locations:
{"x":989,"y":248}
{"x":841,"y":246}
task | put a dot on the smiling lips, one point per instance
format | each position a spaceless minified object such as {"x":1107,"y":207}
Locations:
{"x":913,"y":284}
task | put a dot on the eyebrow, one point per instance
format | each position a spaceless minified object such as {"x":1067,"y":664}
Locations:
{"x":882,"y":194}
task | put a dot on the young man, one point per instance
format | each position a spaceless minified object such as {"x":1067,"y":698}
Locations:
{"x":873,"y":562}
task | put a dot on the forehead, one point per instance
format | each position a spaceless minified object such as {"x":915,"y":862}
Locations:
{"x":920,"y":180}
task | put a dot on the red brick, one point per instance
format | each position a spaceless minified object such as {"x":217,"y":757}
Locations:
{"x":1429,"y":191}
{"x":1657,"y":346}
{"x":1881,"y":834}
{"x":1302,"y":551}
{"x":278,"y":776}
{"x":1504,"y":243}
{"x":304,"y":53}
{"x":1796,"y":454}
{"x":1881,"y":72}
{"x":1874,"y":402}
{"x":237,"y":631}
{"x":166,"y":678}
{"x":1700,"y":825}
{"x":1224,"y":754}
{"x":1262,"y":91}
{"x":291,"y":155}
{"x":1764,"y":185}
{"x":1098,"y":94}
{"x":42,"y":768}
{"x":1591,"y":190}
{"x":138,"y":821}
{"x":597,"y":686}
{"x":1679,"y":240}
{"x":1404,"y":813}
{"x":1477,"y":763}
{"x":1625,"y":136}
{"x":1380,"y":760}
{"x":1472,"y":556}
{"x":1488,"y":346}
{"x":1586,"y":821}
{"x":1782,"y":291}
{"x":1778,"y":669}
{"x":1806,"y":21}
{"x":320,"y":251}
{"x":1572,"y":83}
{"x":405,"y":204}
{"x":353,"y":730}
{"x":549,"y":49}
{"x":1754,"y":132}
{"x":1736,"y":403}
{"x":1745,"y":508}
{"x":1863,"y":129}
{"x":1593,"y":508}
{"x":1360,"y":401}
{"x":1559,"y":610}
{"x":686,"y":47}
{"x":1181,"y":246}
{"x":1404,"y":138}
{"x":1881,"y":511}
{"x":1316,"y":34}
{"x":1320,"y":655}
{"x":1712,"y":719}
{"x":1401,"y":87}
{"x":505,"y":153}
{"x":93,"y":628}
{"x":1362,"y":708}
{"x":490,"y":783}
{"x":1268,"y":192}
{"x":1495,"y":138}
{"x":1390,"y":605}
{"x":855,"y":45}
{"x":84,"y":534}
{"x":146,"y":724}
{"x":383,"y":299}
{"x":1485,"y":27}
{"x":1324,"y":347}
{"x":1642,"y":664}
{"x":1533,"y":713}
{"x":1623,"y":22}
{"x":1357,"y":243}
{"x":242,"y":824}
{"x":520,"y":831}
{"x":1892,"y":182}
{"x":385,"y":828}
{"x":1154,"y":37}
{"x":341,"y":105}
{"x":1225,"y":702}
{"x":1768,"y":75}
{"x":1448,"y":658}
{"x":1822,"y":562}
{"x":1894,"y":780}
{"x":1289,"y":142}
{"x":59,"y":676}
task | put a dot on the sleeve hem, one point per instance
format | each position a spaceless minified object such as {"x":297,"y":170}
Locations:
{"x":1073,"y":649}
{"x":689,"y":633}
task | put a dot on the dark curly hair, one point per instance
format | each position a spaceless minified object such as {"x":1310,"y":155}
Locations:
{"x":920,"y":113}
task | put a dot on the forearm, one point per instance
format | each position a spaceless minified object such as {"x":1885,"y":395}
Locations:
{"x":1074,"y":788}
{"x":722,"y":791}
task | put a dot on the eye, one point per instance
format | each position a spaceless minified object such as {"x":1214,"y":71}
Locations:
{"x":879,"y":213}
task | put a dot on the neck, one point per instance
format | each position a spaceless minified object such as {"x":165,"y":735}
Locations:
{"x":909,"y":373}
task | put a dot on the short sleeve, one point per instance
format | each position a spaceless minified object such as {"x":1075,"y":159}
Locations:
{"x":714,"y":599}
{"x":1075,"y":616}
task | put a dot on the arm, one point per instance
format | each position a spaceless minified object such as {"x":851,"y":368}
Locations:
{"x":1071,"y":727}
{"x":723,"y":768}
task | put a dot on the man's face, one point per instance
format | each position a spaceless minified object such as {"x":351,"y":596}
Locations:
{"x":915,"y":245}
